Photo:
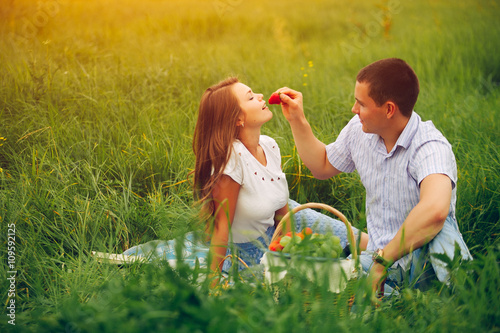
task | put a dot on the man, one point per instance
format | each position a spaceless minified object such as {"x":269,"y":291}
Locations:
{"x":406,"y":166}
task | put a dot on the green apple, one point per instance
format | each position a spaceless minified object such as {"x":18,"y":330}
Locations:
{"x":285,"y":240}
{"x":287,"y":248}
{"x":325,"y":248}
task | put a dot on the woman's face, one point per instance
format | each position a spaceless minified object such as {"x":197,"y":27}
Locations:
{"x":255,"y":112}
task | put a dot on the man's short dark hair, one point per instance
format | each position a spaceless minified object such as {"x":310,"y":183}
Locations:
{"x":393,"y":80}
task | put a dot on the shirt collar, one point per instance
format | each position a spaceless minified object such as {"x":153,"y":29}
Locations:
{"x":404,"y":139}
{"x":409,"y":131}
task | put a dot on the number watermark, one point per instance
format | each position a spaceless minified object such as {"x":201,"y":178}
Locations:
{"x":11,"y":274}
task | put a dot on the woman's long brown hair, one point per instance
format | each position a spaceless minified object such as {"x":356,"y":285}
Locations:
{"x":213,"y":139}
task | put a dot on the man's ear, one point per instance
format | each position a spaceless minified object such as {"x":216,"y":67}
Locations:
{"x":390,"y":110}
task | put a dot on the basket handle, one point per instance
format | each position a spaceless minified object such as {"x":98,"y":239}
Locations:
{"x":350,"y":233}
{"x":233,"y":259}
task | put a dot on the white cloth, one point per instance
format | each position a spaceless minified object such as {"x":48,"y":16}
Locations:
{"x":263,"y":191}
{"x":392,"y":180}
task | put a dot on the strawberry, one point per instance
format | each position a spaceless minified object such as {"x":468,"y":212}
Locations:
{"x":275,"y":98}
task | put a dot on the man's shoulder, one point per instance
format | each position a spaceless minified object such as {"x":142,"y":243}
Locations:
{"x":427,"y":132}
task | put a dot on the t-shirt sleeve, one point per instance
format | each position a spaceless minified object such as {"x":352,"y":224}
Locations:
{"x":339,"y":153}
{"x":234,"y":167}
{"x":434,"y":157}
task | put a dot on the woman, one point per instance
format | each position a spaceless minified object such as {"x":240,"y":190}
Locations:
{"x":238,"y":181}
{"x":238,"y":177}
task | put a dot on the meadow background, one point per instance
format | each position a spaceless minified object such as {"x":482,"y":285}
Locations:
{"x":98,"y":102}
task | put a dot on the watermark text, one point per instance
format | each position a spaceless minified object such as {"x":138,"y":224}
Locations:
{"x":11,"y":274}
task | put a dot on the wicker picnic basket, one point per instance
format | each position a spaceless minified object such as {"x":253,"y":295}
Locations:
{"x":339,"y":270}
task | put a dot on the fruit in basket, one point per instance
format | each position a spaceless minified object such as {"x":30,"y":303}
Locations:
{"x":287,"y":248}
{"x":307,"y":243}
{"x":275,"y":246}
{"x":285,"y":240}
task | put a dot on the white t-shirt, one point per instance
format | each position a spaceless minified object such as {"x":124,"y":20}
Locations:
{"x":263,"y":191}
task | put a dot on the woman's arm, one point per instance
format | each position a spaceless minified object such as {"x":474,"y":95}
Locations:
{"x":225,"y":196}
{"x":278,"y":216}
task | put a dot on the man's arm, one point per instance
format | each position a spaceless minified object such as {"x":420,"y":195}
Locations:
{"x":310,"y":149}
{"x":422,"y":224}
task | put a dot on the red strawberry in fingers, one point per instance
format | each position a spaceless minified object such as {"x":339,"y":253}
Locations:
{"x":275,"y":98}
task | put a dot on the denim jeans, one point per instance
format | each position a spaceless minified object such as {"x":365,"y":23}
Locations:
{"x":423,"y":268}
{"x":420,"y":274}
{"x":252,"y":252}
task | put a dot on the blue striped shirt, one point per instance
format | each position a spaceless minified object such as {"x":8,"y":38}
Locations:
{"x":392,"y":179}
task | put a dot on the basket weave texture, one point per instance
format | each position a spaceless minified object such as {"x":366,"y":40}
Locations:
{"x":339,"y":271}
{"x":350,"y":233}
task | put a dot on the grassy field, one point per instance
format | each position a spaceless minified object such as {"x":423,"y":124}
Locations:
{"x":98,"y":103}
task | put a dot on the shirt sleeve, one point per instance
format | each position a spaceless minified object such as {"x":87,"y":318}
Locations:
{"x":338,"y":152}
{"x":233,"y":167}
{"x":434,"y":157}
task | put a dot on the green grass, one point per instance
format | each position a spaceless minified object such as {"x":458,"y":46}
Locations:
{"x":98,"y":103}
